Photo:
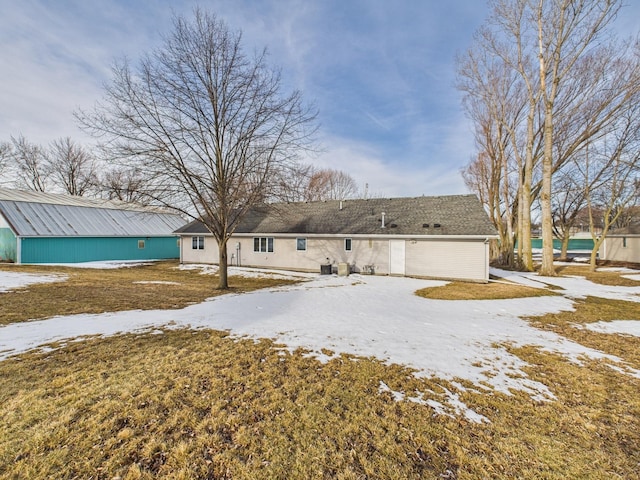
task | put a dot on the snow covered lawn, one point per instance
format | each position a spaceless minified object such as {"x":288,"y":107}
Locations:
{"x":12,"y":280}
{"x":365,"y":316}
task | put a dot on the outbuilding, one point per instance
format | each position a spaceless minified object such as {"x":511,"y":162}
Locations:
{"x":437,"y":237}
{"x":621,"y":245}
{"x":40,"y":227}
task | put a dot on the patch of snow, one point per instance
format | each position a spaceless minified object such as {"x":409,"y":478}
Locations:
{"x":626,"y":327}
{"x":461,"y":408}
{"x":12,"y":280}
{"x":103,"y":265}
{"x":572,"y":286}
{"x":581,"y":259}
{"x":453,"y":399}
{"x":246,"y":272}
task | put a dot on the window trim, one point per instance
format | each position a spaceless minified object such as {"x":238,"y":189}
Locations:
{"x":141,"y":244}
{"x":298,"y":240}
{"x":263,"y":244}
{"x":350,"y":244}
{"x":197,"y":242}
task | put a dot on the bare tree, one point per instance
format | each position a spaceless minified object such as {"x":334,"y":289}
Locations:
{"x":330,"y":184}
{"x":5,"y":156}
{"x":71,"y":167}
{"x":292,"y":182}
{"x":568,"y":200}
{"x":30,"y":165}
{"x":206,"y":124}
{"x":611,"y":172}
{"x":573,"y":84}
{"x":493,"y":100}
{"x":124,"y":184}
{"x":566,"y":30}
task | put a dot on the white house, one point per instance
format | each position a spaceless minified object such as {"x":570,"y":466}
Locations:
{"x":438,"y":237}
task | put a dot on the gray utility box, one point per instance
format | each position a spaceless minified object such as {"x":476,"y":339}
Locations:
{"x":325,"y":269}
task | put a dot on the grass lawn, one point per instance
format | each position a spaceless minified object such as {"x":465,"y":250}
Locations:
{"x":481,"y":291}
{"x":200,"y":404}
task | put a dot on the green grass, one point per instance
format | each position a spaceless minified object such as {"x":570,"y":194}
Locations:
{"x":201,"y":404}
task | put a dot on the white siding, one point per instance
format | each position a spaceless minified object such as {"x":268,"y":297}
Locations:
{"x":456,"y":259}
{"x":208,"y":255}
{"x":319,"y":251}
{"x":614,"y":248}
{"x":451,"y":259}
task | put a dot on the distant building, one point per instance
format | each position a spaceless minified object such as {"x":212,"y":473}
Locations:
{"x":437,"y":237}
{"x":621,"y":245}
{"x":49,"y":228}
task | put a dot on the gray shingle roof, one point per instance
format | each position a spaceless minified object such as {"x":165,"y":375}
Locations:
{"x":453,"y":215}
{"x":41,"y":214}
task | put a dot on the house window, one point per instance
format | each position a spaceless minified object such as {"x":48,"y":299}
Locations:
{"x":624,"y":242}
{"x":347,"y":244}
{"x":301,"y":244}
{"x":197,"y":243}
{"x":141,"y":244}
{"x":263,"y":244}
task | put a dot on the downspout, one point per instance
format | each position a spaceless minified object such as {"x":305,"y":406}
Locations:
{"x":181,"y":247}
{"x":18,"y":249}
{"x":486,"y":259}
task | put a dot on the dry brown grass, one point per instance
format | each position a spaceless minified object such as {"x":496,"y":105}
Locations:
{"x":603,"y":277}
{"x":481,"y":291}
{"x":185,"y":404}
{"x":199,"y":404}
{"x":97,"y":290}
{"x":594,"y":310}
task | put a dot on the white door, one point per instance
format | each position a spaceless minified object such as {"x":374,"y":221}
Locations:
{"x":396,"y":257}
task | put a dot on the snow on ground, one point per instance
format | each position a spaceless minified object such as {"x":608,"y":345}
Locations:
{"x":206,"y":269}
{"x":572,"y":286}
{"x":370,"y":316}
{"x":627,"y":327}
{"x":103,"y":264}
{"x":13,"y":280}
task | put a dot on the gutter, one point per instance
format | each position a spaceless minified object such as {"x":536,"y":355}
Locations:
{"x":351,"y":235}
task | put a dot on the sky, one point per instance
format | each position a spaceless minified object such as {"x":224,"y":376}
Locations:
{"x":366,"y":316}
{"x":382,"y":74}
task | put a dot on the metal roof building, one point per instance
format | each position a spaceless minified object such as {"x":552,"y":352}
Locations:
{"x":40,"y":227}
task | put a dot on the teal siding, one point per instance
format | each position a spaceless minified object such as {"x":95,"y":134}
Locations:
{"x":88,"y":249}
{"x":574,"y":243}
{"x":8,"y":244}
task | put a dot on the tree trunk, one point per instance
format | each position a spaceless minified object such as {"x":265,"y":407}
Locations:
{"x":594,"y":253}
{"x":565,"y":244}
{"x":223,"y":283}
{"x":547,"y":268}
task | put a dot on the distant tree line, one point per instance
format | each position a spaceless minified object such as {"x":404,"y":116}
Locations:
{"x":68,"y":167}
{"x":555,"y":101}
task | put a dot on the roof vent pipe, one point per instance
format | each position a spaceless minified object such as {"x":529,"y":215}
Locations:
{"x":382,"y":219}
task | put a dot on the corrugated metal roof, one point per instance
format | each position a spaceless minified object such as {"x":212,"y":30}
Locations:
{"x":41,"y":214}
{"x":437,"y":215}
